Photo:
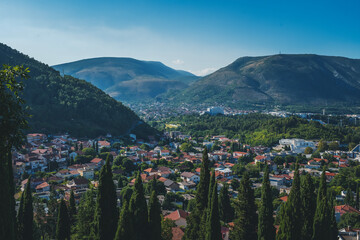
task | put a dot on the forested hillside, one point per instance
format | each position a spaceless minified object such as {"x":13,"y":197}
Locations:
{"x":66,"y":104}
{"x":260,"y":129}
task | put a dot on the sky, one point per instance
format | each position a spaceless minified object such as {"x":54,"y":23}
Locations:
{"x":194,"y":35}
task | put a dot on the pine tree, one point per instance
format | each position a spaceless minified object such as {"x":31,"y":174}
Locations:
{"x":194,"y":229}
{"x":125,"y":230}
{"x":213,"y":227}
{"x":333,"y":232}
{"x":63,"y":222}
{"x":106,"y":215}
{"x":308,"y":206}
{"x":154,"y":217}
{"x":225,"y":208}
{"x":85,"y":215}
{"x":246,"y":218}
{"x":138,"y":210}
{"x":322,"y":223}
{"x":266,"y":229}
{"x":25,"y":214}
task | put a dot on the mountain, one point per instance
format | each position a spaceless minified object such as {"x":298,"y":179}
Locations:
{"x":67,"y":104}
{"x":304,"y":79}
{"x":128,"y":79}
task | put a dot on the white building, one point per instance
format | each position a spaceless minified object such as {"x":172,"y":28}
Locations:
{"x":215,"y":110}
{"x":297,"y":145}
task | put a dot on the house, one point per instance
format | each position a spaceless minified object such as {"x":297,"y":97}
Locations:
{"x":43,"y":187}
{"x":260,"y":158}
{"x":341,"y":209}
{"x":187,"y":185}
{"x":164,"y":152}
{"x":78,"y":183}
{"x":86,"y":173}
{"x":177,"y":233}
{"x":103,"y":144}
{"x":171,"y":185}
{"x":98,"y":161}
{"x":179,"y":217}
{"x":190,"y":177}
{"x":349,"y":233}
{"x":36,"y":137}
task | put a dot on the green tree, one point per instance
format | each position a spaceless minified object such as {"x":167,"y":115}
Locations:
{"x":89,"y":151}
{"x":25,"y":214}
{"x":291,"y":220}
{"x":308,"y":206}
{"x":322,"y":218}
{"x":322,"y":146}
{"x":166,"y":229}
{"x":266,"y":229}
{"x":85,"y":216}
{"x":154,"y":217}
{"x":63,"y":222}
{"x":213,"y":227}
{"x":226,"y":211}
{"x":193,"y":229}
{"x":106,"y":214}
{"x":357,"y":201}
{"x":349,"y":198}
{"x":12,"y":123}
{"x":349,"y":219}
{"x":125,"y":229}
{"x":72,"y":207}
{"x":139,"y":210}
{"x":245,"y":209}
{"x":308,"y":150}
{"x":186,"y":147}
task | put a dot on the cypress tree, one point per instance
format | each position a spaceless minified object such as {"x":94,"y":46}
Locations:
{"x":203,"y":186}
{"x":125,"y":229}
{"x":291,"y":222}
{"x":357,"y":203}
{"x":72,"y":207}
{"x":138,"y":210}
{"x":266,"y":229}
{"x":154,"y":217}
{"x":246,"y":218}
{"x":333,"y":232}
{"x":63,"y":222}
{"x":225,"y":208}
{"x":212,"y":182}
{"x":25,"y":214}
{"x":106,"y":214}
{"x":85,"y":215}
{"x":194,"y":229}
{"x":213,"y":227}
{"x":308,"y":206}
{"x":322,"y":222}
{"x":349,"y":198}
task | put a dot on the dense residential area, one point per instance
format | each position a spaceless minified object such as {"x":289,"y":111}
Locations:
{"x":63,"y":167}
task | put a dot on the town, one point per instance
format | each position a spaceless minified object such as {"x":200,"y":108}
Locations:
{"x":62,"y":165}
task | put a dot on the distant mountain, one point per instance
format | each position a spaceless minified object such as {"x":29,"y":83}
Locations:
{"x":304,"y":79}
{"x":128,"y":79}
{"x":67,"y":104}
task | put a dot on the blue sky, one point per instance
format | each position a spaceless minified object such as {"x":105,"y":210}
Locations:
{"x":194,"y":35}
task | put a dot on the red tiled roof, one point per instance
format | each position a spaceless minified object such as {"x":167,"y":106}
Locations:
{"x":96,"y":160}
{"x":284,"y":198}
{"x":346,"y":209}
{"x":177,"y":214}
{"x":43,"y":185}
{"x":177,"y":233}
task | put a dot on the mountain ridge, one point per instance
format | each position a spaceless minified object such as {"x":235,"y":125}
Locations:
{"x":128,"y":79}
{"x":285,"y":79}
{"x":67,"y":104}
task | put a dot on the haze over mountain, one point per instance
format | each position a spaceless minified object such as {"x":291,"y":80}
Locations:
{"x":67,"y":104}
{"x":303,"y":79}
{"x":128,"y":79}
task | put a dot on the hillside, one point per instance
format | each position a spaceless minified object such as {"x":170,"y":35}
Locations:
{"x":309,"y":80}
{"x":128,"y":79}
{"x":67,"y":104}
